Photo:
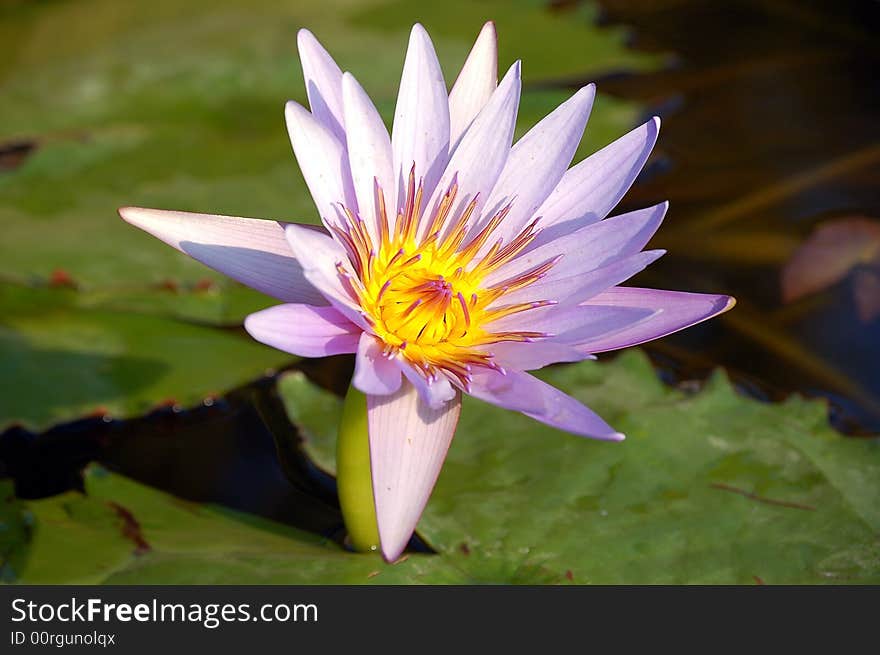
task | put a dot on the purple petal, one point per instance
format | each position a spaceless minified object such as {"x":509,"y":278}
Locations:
{"x":323,"y":83}
{"x":479,"y":158}
{"x":504,"y":389}
{"x":304,"y":330}
{"x":408,"y":443}
{"x":319,"y":255}
{"x":592,"y":188}
{"x":538,"y":400}
{"x":323,"y":161}
{"x":675,"y":310}
{"x":563,"y":412}
{"x":369,"y":152}
{"x":475,"y":82}
{"x":583,"y":286}
{"x":537,"y":163}
{"x":588,"y":248}
{"x":572,"y":324}
{"x":250,"y":250}
{"x":522,"y":356}
{"x":373,"y":372}
{"x":421,"y":120}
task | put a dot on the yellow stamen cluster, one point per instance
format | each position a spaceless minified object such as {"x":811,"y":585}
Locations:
{"x":422,"y":290}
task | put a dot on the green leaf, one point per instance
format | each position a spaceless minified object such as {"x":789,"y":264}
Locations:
{"x":121,"y":532}
{"x":711,"y":488}
{"x":62,"y":360}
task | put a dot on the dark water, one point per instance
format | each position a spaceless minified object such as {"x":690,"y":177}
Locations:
{"x":770,"y":126}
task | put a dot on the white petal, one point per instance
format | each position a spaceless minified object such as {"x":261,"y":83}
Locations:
{"x":408,"y":443}
{"x":538,"y":162}
{"x":479,"y":159}
{"x":434,"y":393}
{"x":250,"y":250}
{"x":578,"y":287}
{"x":323,"y":161}
{"x":369,"y":152}
{"x":373,"y":372}
{"x":319,"y":255}
{"x":591,"y":189}
{"x":588,"y":248}
{"x":475,"y":82}
{"x":323,"y":83}
{"x":420,"y":135}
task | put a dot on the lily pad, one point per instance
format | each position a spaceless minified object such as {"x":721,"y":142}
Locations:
{"x":61,"y":360}
{"x":711,"y":488}
{"x":122,"y":532}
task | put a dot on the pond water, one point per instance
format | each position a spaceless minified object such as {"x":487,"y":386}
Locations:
{"x":770,"y":129}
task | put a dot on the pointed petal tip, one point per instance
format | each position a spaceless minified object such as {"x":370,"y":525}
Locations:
{"x":617,"y":436}
{"x":655,"y":121}
{"x":125,"y":213}
{"x":418,"y":31}
{"x":408,"y":444}
{"x":730,"y":304}
{"x":392,"y":552}
{"x":141,"y":217}
{"x":304,"y":36}
{"x":248,"y":324}
{"x":292,"y":108}
{"x":586,"y":95}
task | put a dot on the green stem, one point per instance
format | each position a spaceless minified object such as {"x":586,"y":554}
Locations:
{"x":353,"y":479}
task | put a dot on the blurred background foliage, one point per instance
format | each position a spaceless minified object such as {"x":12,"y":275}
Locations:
{"x":769,"y":152}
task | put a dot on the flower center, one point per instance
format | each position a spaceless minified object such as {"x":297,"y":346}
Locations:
{"x":422,"y":306}
{"x":423,"y":291}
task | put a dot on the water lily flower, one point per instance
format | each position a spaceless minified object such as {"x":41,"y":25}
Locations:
{"x":450,"y":261}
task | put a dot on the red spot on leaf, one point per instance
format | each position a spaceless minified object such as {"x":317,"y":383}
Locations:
{"x":131,"y":529}
{"x":569,"y":575}
{"x":204,"y":284}
{"x":169,"y":285}
{"x":758,"y":581}
{"x":59,"y":278}
{"x":14,"y":153}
